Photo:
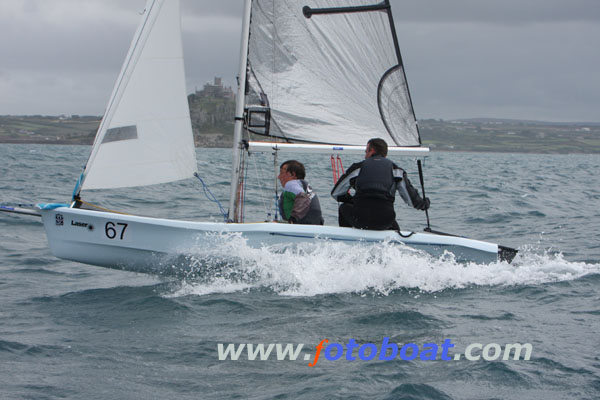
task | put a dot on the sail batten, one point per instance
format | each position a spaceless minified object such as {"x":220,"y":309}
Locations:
{"x":145,"y":136}
{"x":336,"y":77}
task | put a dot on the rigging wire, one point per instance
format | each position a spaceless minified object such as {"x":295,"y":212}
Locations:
{"x":275,"y":162}
{"x":211,"y":196}
{"x":260,"y":179}
{"x":244,"y":187}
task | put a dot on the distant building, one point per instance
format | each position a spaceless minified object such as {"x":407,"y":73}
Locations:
{"x":216,"y":90}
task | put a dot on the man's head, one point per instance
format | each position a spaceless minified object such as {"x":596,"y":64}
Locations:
{"x":290,"y":170}
{"x":376,"y":147}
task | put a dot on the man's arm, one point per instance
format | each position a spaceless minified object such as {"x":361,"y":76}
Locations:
{"x":346,"y":181}
{"x":417,"y":201}
{"x":407,"y":191}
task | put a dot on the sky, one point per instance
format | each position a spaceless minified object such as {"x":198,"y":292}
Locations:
{"x":517,"y":59}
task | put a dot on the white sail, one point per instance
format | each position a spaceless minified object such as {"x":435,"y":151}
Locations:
{"x":332,"y":78}
{"x":146,"y":136}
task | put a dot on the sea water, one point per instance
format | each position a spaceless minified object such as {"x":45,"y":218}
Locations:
{"x":69,"y":330}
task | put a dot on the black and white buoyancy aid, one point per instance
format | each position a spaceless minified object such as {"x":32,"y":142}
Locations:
{"x":376,"y":179}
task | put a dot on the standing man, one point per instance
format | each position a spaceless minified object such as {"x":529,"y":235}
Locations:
{"x":298,"y":204}
{"x":375,"y":181}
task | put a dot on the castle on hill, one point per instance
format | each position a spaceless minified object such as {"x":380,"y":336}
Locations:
{"x":216,"y":90}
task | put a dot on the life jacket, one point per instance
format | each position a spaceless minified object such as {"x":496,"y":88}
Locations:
{"x":314,"y":215}
{"x":376,"y":179}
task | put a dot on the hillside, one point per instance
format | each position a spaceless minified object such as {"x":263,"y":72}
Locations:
{"x":212,"y":123}
{"x":47,"y":129}
{"x":514,"y":136}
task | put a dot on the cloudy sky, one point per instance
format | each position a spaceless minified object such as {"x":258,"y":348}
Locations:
{"x":525,"y":59}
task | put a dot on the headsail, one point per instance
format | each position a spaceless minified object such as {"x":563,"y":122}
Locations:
{"x":146,"y":136}
{"x":333,"y":78}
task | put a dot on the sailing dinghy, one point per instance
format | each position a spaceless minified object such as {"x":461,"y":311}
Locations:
{"x":318,"y":76}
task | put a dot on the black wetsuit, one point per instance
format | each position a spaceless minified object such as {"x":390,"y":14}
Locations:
{"x":376,"y":181}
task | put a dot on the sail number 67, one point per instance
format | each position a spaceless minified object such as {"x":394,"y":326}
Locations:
{"x":111,"y":230}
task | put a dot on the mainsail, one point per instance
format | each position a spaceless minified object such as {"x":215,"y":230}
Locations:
{"x":146,"y":136}
{"x":332,"y":78}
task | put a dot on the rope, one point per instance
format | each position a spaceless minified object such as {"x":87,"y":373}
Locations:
{"x":336,"y":167}
{"x":339,"y":161}
{"x":333,"y":170}
{"x":211,"y":197}
{"x":404,"y":236}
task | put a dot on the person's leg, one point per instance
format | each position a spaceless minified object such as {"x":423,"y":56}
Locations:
{"x":374,"y":214}
{"x":345,"y":215}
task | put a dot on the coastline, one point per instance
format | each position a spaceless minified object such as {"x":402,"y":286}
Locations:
{"x":470,"y":135}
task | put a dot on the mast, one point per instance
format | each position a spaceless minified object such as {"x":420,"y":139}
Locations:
{"x":239,"y":116}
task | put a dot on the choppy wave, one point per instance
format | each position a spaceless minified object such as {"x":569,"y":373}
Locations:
{"x":86,"y":329}
{"x":334,"y":267}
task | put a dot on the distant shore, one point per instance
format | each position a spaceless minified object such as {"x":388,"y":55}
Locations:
{"x":469,"y":135}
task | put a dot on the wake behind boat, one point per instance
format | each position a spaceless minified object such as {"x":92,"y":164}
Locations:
{"x":328,"y":75}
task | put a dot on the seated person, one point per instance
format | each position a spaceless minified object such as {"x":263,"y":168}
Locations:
{"x":375,"y":181}
{"x":298,"y":204}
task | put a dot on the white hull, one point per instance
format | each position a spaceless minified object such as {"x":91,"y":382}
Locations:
{"x":139,"y":243}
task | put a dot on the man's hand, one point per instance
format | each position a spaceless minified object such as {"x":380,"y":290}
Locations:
{"x":345,"y":198}
{"x":423,"y":205}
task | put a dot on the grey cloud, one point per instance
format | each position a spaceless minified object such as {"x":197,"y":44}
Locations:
{"x":534,"y":59}
{"x":505,"y":12}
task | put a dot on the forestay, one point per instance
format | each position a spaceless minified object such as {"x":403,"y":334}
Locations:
{"x":145,"y":136}
{"x":332,"y":78}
